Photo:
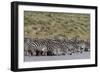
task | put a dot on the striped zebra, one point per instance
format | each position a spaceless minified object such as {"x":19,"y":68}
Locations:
{"x":39,"y":47}
{"x":51,"y":47}
{"x":28,"y":48}
{"x":59,"y":48}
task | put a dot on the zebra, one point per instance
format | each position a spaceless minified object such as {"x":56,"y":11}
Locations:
{"x":53,"y":47}
{"x":28,"y":48}
{"x":40,"y":47}
{"x":83,"y":46}
{"x":50,"y":47}
{"x":33,"y":47}
{"x":59,"y":48}
{"x":87,"y":46}
{"x":63,"y":46}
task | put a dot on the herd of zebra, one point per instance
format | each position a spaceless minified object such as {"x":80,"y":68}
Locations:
{"x":54,"y":47}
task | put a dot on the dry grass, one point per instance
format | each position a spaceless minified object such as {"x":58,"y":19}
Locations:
{"x":56,"y":25}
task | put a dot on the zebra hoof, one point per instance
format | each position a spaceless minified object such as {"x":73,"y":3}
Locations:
{"x":70,"y":54}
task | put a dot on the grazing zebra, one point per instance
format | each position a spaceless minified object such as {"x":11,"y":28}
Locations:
{"x":59,"y":48}
{"x":87,"y":46}
{"x":82,"y":46}
{"x":40,"y":47}
{"x":64,"y":46}
{"x":54,"y":47}
{"x":28,"y":48}
{"x":50,"y":47}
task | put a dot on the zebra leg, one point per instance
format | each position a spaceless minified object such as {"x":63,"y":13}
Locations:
{"x":37,"y":52}
{"x":25,"y":52}
{"x":81,"y":50}
{"x":40,"y":53}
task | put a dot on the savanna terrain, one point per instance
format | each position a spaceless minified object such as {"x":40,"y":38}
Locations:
{"x":56,"y":25}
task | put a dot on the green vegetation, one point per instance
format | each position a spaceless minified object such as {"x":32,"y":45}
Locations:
{"x":56,"y":25}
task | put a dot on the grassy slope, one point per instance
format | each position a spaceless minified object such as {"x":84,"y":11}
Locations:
{"x":56,"y":25}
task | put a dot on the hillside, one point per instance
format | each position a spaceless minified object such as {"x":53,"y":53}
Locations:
{"x":56,"y":25}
